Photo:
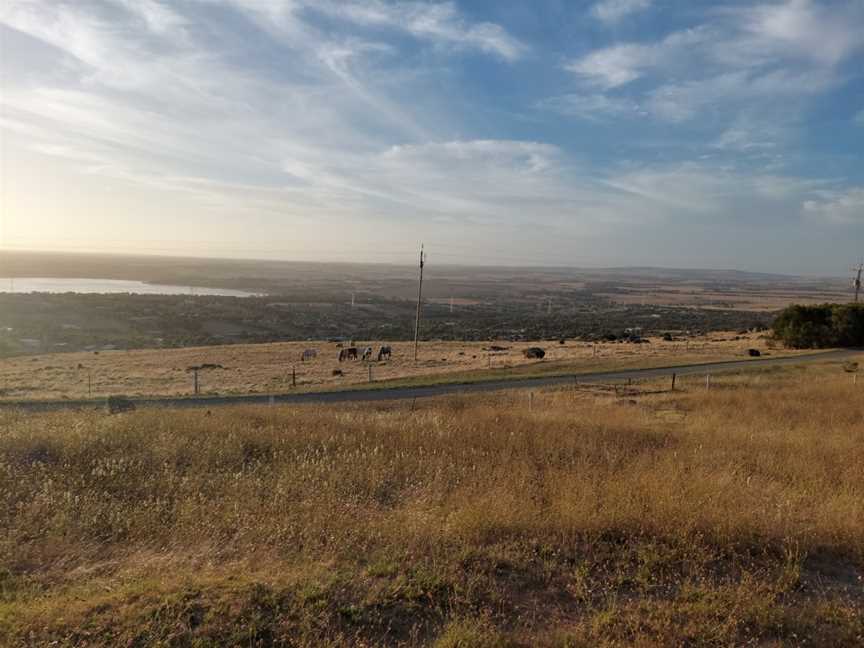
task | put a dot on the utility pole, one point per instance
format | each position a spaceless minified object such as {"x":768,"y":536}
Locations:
{"x":419,"y":301}
{"x":856,"y":282}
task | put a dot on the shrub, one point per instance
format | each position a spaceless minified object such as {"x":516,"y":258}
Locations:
{"x":820,"y":326}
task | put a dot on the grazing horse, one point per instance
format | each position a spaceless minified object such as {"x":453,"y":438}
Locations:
{"x":349,"y":353}
{"x":384,"y":352}
{"x":367,"y":353}
{"x":308,"y":354}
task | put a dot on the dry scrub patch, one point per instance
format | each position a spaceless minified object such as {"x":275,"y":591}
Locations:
{"x":594,"y":518}
{"x":267,"y":368}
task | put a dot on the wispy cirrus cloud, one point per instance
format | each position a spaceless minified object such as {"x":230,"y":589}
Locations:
{"x":826,"y":34}
{"x":618,"y":65}
{"x":845,"y":207}
{"x":612,"y":11}
{"x":748,"y":37}
{"x":757,"y":63}
{"x":592,"y":106}
{"x":437,"y":22}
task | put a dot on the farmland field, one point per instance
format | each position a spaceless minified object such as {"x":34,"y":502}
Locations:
{"x":729,"y":516}
{"x":313,"y":301}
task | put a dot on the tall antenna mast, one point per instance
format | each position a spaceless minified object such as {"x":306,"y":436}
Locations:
{"x":419,"y":301}
{"x":856,"y":282}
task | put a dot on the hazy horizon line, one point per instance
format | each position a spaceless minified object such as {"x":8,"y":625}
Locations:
{"x":588,"y":267}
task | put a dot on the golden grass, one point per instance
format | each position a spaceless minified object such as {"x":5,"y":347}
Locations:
{"x":733,"y":516}
{"x":266,"y":368}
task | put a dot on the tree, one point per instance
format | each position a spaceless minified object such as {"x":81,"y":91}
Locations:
{"x":820,"y":326}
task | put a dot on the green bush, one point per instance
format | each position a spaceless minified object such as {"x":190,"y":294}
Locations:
{"x":820,"y":326}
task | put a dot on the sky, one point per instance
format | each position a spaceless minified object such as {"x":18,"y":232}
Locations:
{"x":552,"y":132}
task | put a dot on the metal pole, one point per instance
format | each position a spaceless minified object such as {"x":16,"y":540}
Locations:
{"x":856,"y":282}
{"x":419,"y":301}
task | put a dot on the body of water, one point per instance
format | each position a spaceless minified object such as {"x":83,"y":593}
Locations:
{"x":67,"y":285}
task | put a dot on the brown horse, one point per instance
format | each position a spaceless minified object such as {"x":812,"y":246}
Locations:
{"x":349,"y":353}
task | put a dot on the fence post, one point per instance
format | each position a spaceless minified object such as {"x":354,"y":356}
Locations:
{"x":673,"y":381}
{"x":195,"y":380}
{"x":370,"y":373}
{"x":707,"y":381}
{"x":293,"y":376}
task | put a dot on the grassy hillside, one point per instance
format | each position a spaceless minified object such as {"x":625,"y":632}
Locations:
{"x":733,"y":516}
{"x":267,"y":368}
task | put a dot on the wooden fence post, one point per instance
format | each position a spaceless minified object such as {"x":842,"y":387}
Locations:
{"x":293,"y":376}
{"x":673,"y":381}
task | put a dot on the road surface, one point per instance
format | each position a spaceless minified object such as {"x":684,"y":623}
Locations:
{"x":394,"y":393}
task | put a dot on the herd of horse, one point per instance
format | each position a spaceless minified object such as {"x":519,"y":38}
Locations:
{"x":351,"y":353}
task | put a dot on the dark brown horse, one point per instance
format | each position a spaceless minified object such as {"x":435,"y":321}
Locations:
{"x":349,"y":353}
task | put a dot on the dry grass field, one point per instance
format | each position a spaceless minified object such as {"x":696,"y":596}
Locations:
{"x":725,"y":517}
{"x":266,"y":368}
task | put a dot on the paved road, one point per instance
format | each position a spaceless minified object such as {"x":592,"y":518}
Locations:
{"x":393,"y":393}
